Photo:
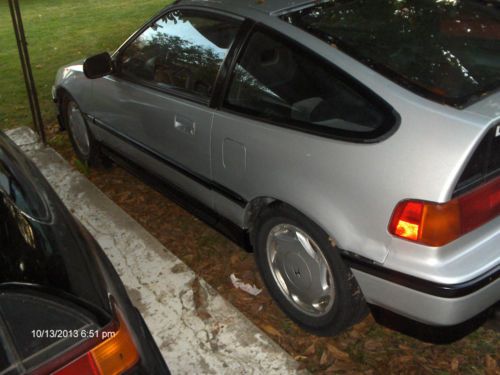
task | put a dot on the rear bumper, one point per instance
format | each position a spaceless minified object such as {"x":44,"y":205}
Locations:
{"x":424,"y":301}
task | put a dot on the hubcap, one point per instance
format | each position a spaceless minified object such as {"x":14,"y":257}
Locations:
{"x":300,"y":269}
{"x":78,"y":129}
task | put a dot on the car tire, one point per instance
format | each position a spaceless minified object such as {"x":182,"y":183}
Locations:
{"x":305,"y":273}
{"x":84,"y":144}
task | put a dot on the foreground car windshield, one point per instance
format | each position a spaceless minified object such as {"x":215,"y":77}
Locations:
{"x":446,"y":50}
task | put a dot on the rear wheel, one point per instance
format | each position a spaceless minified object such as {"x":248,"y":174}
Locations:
{"x":305,"y":274}
{"x":85,"y":146}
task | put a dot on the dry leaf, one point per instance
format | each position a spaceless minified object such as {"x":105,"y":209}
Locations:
{"x":337,"y":353}
{"x":454,"y":364}
{"x":271,"y":330}
{"x":310,"y":350}
{"x":405,"y":358}
{"x":491,"y":363}
{"x":372,"y":345}
{"x":325,"y":358}
{"x":299,"y":357}
{"x":200,"y":300}
{"x":339,"y":366}
{"x":354,"y":334}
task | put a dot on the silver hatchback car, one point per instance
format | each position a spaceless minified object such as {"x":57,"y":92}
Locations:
{"x":357,"y":143}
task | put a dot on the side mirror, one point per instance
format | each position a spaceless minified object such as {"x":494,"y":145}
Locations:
{"x":98,"y":66}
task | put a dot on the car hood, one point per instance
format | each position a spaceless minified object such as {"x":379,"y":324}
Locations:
{"x":41,"y":244}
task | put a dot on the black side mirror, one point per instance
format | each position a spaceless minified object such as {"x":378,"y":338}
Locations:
{"x":98,"y":66}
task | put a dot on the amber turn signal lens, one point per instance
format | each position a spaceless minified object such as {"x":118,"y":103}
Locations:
{"x":113,"y":356}
{"x":116,"y":354}
{"x":440,"y":223}
{"x":437,"y":224}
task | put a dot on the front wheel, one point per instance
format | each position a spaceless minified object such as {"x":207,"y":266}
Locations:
{"x":85,"y":146}
{"x":305,"y":274}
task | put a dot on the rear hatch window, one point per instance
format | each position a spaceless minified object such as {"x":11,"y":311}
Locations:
{"x":445,"y":50}
{"x":484,"y":165}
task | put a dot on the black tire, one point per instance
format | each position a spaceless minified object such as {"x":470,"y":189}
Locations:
{"x":348,"y":305}
{"x":90,"y":155}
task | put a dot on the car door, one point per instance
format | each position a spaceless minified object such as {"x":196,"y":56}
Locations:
{"x":155,"y":108}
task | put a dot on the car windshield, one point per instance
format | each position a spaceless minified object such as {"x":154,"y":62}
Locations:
{"x":447,"y":50}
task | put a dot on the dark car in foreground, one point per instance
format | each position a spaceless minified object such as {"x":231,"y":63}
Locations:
{"x":63,"y":308}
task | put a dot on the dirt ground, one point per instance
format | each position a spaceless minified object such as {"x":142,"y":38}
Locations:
{"x":367,"y":348}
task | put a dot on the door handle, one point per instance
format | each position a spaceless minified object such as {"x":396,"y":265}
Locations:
{"x":184,"y":125}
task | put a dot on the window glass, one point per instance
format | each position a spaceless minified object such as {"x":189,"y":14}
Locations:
{"x":277,"y":81}
{"x":474,"y":172}
{"x":484,"y":164}
{"x":38,"y":327}
{"x":447,"y":50}
{"x":183,"y":50}
{"x":494,"y":160}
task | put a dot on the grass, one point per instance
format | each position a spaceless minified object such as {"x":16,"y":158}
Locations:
{"x":82,"y":167}
{"x":58,"y":32}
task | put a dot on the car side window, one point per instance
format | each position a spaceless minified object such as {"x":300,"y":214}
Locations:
{"x":279,"y":81}
{"x":183,"y":50}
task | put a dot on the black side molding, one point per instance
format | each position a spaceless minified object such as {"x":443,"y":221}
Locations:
{"x":207,"y":183}
{"x":198,"y":209}
{"x":421,"y":285}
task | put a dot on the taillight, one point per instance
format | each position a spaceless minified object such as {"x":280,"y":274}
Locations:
{"x":436,"y":224}
{"x":112,"y":356}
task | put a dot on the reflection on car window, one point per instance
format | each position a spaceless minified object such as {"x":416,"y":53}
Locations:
{"x":183,"y":50}
{"x":276,"y":81}
{"x":26,"y":312}
{"x":448,"y":50}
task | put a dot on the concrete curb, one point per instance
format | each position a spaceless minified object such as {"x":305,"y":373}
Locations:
{"x":219,"y":341}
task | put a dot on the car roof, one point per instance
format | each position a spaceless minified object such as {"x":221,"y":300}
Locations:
{"x":270,"y":7}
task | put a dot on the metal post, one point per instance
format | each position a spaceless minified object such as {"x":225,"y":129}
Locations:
{"x":22,"y":46}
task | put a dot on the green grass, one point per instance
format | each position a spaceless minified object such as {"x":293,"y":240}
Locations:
{"x":58,"y":32}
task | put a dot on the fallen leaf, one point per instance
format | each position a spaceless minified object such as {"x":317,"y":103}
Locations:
{"x":405,"y":358}
{"x":490,"y":362}
{"x":200,"y":300}
{"x":325,"y":358}
{"x":299,"y":357}
{"x":372,"y":345}
{"x":339,"y":366}
{"x":355,"y":334}
{"x":454,"y":364}
{"x":337,"y":353}
{"x":271,"y":330}
{"x":310,"y":350}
